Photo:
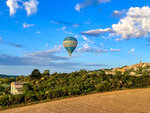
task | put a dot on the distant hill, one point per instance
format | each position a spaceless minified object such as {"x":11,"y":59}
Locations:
{"x":9,"y":76}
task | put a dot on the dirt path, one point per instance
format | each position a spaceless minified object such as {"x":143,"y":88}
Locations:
{"x":126,"y":101}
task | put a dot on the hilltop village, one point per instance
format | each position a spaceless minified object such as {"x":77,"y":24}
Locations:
{"x":135,"y":70}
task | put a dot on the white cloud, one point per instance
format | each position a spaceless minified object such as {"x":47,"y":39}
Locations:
{"x":87,"y":3}
{"x":77,"y":7}
{"x":10,"y":43}
{"x":38,"y":32}
{"x":101,"y":45}
{"x":53,"y":22}
{"x":13,"y":6}
{"x":135,"y":24}
{"x":25,"y":25}
{"x":41,"y":58}
{"x":87,"y":22}
{"x":31,"y":7}
{"x":58,"y":62}
{"x":69,"y":33}
{"x":75,"y":25}
{"x":89,"y":49}
{"x":118,"y":39}
{"x":97,"y":32}
{"x":131,"y":51}
{"x":117,"y":13}
{"x":114,"y":50}
{"x":46,"y":53}
{"x":63,"y":28}
{"x":86,"y":49}
{"x":85,"y":38}
{"x":46,"y":44}
{"x":65,"y":23}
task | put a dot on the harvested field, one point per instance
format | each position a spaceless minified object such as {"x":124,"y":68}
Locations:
{"x":125,"y":101}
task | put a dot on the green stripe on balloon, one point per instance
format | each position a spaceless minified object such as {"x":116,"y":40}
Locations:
{"x":70,"y":49}
{"x":70,"y":38}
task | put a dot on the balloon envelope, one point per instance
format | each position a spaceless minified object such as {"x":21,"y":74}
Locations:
{"x":70,"y":43}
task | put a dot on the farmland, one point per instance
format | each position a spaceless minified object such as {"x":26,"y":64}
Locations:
{"x":124,"y":101}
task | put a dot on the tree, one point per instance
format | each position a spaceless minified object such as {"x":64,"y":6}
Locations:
{"x":103,"y":86}
{"x":102,"y":73}
{"x":46,"y":72}
{"x":68,"y":84}
{"x":20,"y":78}
{"x":29,"y":98}
{"x":27,"y":87}
{"x":82,"y":71}
{"x":2,"y":88}
{"x":35,"y":74}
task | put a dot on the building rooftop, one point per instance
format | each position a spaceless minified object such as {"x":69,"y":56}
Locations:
{"x":17,"y":83}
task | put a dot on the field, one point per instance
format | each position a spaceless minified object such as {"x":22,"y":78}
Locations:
{"x":124,"y":101}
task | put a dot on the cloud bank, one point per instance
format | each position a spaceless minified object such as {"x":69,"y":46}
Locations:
{"x":30,"y":6}
{"x":88,"y":49}
{"x":97,"y":32}
{"x":44,"y":58}
{"x":134,"y":25}
{"x":10,"y":43}
{"x":13,"y":6}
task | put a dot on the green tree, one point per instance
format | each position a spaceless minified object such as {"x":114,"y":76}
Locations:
{"x":29,"y":98}
{"x":35,"y":74}
{"x":46,"y":72}
{"x":27,"y":87}
{"x":2,"y":89}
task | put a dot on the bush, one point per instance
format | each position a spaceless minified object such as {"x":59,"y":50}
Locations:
{"x":40,"y":95}
{"x":2,"y":89}
{"x":103,"y":86}
{"x":29,"y":98}
{"x":4,"y":100}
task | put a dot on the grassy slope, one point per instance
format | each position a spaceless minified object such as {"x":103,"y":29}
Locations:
{"x":124,"y":101}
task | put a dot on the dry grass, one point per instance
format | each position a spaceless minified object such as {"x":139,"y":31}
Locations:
{"x":125,"y":101}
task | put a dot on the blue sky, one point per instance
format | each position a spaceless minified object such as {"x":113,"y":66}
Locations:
{"x":110,"y":33}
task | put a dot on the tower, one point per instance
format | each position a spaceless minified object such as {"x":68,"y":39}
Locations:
{"x":140,"y":62}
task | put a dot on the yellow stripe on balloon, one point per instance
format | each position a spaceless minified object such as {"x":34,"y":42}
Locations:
{"x":70,"y":43}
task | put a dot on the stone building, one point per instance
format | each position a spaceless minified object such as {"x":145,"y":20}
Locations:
{"x":16,"y":87}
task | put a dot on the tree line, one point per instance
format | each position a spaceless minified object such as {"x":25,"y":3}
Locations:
{"x":43,"y":86}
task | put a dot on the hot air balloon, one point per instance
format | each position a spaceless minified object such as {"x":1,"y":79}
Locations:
{"x":70,"y":43}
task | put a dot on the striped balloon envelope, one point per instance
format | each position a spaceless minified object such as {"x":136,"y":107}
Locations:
{"x":70,"y":43}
